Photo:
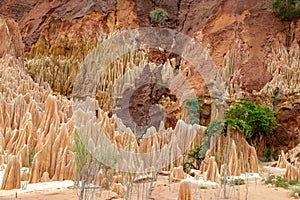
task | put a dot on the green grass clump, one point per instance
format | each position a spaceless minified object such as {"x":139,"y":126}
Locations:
{"x":159,"y":16}
{"x":294,"y":182}
{"x":238,"y":181}
{"x":278,"y":181}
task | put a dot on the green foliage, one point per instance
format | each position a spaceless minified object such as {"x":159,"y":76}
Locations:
{"x":294,"y":182}
{"x":237,"y":181}
{"x":288,"y":10}
{"x":278,"y":181}
{"x":216,"y":128}
{"x":160,"y":86}
{"x":193,"y":109}
{"x":203,"y":187}
{"x":81,"y":151}
{"x":198,"y":153}
{"x":195,"y":155}
{"x":159,"y":16}
{"x":268,"y":154}
{"x":251,"y":119}
{"x":294,"y":186}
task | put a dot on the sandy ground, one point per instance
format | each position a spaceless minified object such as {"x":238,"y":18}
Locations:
{"x":162,"y":190}
{"x":254,"y":189}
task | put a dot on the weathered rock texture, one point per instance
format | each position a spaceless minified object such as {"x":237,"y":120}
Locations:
{"x":58,"y":35}
{"x":35,"y":126}
{"x":12,"y":46}
{"x":185,"y":191}
{"x":12,"y":177}
{"x":290,"y":161}
{"x":230,"y":155}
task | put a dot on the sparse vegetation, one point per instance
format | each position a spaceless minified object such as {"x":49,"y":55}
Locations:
{"x":160,"y":86}
{"x":87,"y":168}
{"x":237,"y":181}
{"x":268,"y":154}
{"x":203,"y":187}
{"x":294,"y":182}
{"x":216,"y":128}
{"x":278,"y":181}
{"x":288,"y":10}
{"x":159,"y":16}
{"x":295,"y":188}
{"x":193,"y":110}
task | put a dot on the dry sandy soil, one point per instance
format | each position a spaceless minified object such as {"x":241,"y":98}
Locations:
{"x":255,"y":190}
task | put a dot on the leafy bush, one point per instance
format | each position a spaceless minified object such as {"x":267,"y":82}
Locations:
{"x":193,"y":110}
{"x":159,"y":16}
{"x":195,"y":155}
{"x":288,"y":10}
{"x":251,"y":119}
{"x":215,"y":128}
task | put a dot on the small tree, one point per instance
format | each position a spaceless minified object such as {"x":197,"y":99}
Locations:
{"x":251,"y":119}
{"x":288,"y":10}
{"x":159,"y":16}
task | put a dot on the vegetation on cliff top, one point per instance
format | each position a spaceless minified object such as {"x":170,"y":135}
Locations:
{"x":287,"y":10}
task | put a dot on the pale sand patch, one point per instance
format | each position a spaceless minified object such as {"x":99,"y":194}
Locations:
{"x":162,"y":190}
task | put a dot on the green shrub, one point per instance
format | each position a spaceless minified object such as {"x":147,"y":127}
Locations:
{"x":288,"y":10}
{"x":159,"y":16}
{"x":278,"y":181}
{"x":268,"y":154}
{"x":193,"y":110}
{"x":195,"y":155}
{"x":216,"y":128}
{"x":251,"y":119}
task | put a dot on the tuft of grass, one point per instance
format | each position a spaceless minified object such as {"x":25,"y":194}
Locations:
{"x":238,"y":181}
{"x":294,"y":182}
{"x":203,"y":187}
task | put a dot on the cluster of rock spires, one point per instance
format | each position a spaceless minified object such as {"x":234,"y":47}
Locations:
{"x":37,"y":130}
{"x":35,"y":126}
{"x":229,"y":155}
{"x":290,"y":161}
